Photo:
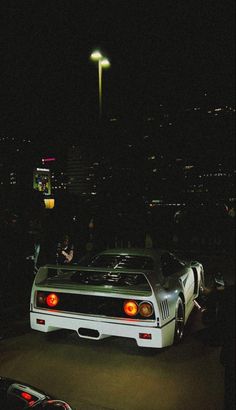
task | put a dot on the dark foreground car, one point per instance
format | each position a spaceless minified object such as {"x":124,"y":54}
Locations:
{"x":17,"y":396}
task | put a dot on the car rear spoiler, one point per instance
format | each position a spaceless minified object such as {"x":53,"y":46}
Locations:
{"x":41,"y":275}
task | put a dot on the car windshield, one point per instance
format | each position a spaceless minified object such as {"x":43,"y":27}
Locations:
{"x":120,"y":262}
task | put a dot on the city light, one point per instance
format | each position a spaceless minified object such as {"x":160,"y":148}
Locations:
{"x":48,"y":159}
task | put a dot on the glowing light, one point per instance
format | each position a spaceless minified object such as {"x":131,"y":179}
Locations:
{"x":105,"y":63}
{"x":52,"y":300}
{"x":49,"y":203}
{"x":131,"y":308}
{"x":26,"y":396}
{"x":102,"y":62}
{"x":96,"y":56}
{"x":48,"y":159}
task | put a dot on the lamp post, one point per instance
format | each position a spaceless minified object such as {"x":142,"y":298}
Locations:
{"x":103,"y":62}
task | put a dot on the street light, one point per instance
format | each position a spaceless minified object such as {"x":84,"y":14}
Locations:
{"x":103,"y":62}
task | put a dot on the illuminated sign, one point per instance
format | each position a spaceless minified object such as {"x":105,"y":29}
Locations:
{"x":42,"y":169}
{"x":42,"y":180}
{"x":48,"y":159}
{"x":49,"y":203}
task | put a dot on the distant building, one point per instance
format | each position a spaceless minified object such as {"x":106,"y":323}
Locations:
{"x":59,"y":180}
{"x":82,"y":172}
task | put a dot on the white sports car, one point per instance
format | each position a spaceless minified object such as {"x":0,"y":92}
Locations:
{"x":142,"y":294}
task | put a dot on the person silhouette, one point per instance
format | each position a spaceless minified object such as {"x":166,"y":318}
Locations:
{"x":65,"y":251}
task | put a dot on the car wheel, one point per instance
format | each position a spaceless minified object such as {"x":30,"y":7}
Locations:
{"x":179,"y":321}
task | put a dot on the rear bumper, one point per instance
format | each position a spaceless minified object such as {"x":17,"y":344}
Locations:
{"x":100,"y":329}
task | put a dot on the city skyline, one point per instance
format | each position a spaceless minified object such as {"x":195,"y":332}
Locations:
{"x":147,"y":159}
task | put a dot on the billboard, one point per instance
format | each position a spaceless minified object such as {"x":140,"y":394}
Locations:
{"x":42,"y":180}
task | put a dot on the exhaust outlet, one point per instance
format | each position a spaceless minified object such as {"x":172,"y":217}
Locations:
{"x":88,"y":333}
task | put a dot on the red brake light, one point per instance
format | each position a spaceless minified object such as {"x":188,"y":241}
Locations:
{"x":52,"y":300}
{"x":26,"y":396}
{"x":131,"y":308}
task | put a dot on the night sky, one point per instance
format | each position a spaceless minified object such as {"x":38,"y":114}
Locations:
{"x":167,"y":52}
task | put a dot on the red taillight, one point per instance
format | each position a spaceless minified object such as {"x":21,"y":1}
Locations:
{"x":131,"y":308}
{"x":26,"y":396}
{"x":52,"y":300}
{"x":145,"y":309}
{"x":146,"y":336}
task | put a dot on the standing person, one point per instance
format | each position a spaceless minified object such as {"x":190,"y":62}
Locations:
{"x":65,"y":251}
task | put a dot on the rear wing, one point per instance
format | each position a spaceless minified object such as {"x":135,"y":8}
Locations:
{"x":48,"y":271}
{"x":93,"y":279}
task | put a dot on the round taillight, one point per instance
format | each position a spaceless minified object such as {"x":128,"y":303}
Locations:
{"x":131,"y":308}
{"x":52,"y":300}
{"x":145,"y":309}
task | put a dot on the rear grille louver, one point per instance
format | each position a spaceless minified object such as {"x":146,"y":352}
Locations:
{"x":164,"y":307}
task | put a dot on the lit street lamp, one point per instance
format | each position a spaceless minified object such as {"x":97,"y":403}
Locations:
{"x":103,"y":62}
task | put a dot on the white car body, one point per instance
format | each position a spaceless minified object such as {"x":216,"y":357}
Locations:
{"x":91,"y":308}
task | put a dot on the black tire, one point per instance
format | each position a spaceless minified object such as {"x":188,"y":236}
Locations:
{"x":179,"y":321}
